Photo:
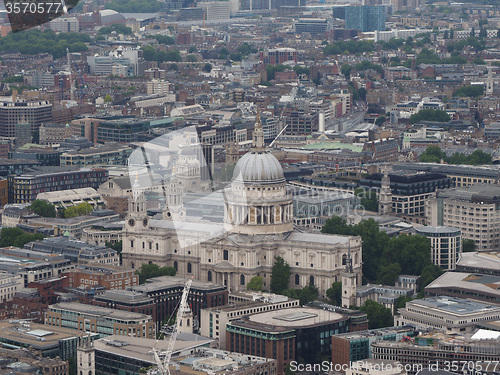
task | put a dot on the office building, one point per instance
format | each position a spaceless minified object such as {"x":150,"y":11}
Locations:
{"x":461,"y":175}
{"x":15,"y":111}
{"x":76,"y":251}
{"x":439,"y":349}
{"x":50,"y":341}
{"x":313,"y":26}
{"x":65,"y":25}
{"x":406,"y":194}
{"x":484,"y":263}
{"x":191,"y":355}
{"x":215,"y":10}
{"x":446,"y":244}
{"x":219,"y":316}
{"x":100,"y":320}
{"x":108,"y":154}
{"x":33,"y":266}
{"x":466,"y":285}
{"x":9,"y":285}
{"x":54,"y":134}
{"x":127,"y":300}
{"x":68,"y":198}
{"x":356,"y":346}
{"x":24,"y":188}
{"x":26,"y":361}
{"x":167,"y":290}
{"x":365,"y":17}
{"x":46,"y":157}
{"x":474,"y":209}
{"x":287,"y":334}
{"x":278,"y":56}
{"x":110,"y":277}
{"x":301,"y":123}
{"x":449,"y":314}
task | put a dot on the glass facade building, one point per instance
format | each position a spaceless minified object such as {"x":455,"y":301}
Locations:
{"x":365,"y":18}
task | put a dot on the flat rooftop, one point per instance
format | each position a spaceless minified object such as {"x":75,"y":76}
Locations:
{"x":437,"y":230}
{"x":39,"y":336}
{"x":480,"y":260}
{"x":142,"y":349}
{"x":455,"y":306}
{"x":296,"y":317}
{"x":163,"y":282}
{"x":100,"y":311}
{"x":486,"y":284}
{"x":487,"y":193}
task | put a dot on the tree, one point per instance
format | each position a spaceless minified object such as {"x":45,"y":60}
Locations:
{"x":468,"y":246}
{"x":432,"y":154}
{"x":471,"y":91}
{"x":207,"y":67}
{"x":401,"y":302}
{"x":191,"y":58}
{"x":412,"y":253}
{"x":346,"y":70}
{"x":307,"y":294}
{"x":117,"y":246}
{"x":368,"y":199}
{"x":473,"y":32}
{"x":387,"y":275}
{"x":9,"y":235}
{"x":380,"y":120}
{"x":147,"y":271}
{"x":378,"y":315}
{"x":483,"y":33}
{"x":446,"y":34}
{"x":43,"y":208}
{"x":437,"y":115}
{"x":272,"y":69}
{"x":280,"y":276}
{"x":108,"y":98}
{"x":335,"y":293}
{"x":80,"y":209}
{"x":149,"y":53}
{"x":193,"y":49}
{"x":255,"y":283}
{"x":336,"y":225}
{"x":451,"y":34}
{"x":430,"y":273}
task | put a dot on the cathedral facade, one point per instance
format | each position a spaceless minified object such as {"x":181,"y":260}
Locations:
{"x":258,"y":227}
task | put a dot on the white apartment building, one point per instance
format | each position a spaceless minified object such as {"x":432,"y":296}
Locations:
{"x":474,"y":209}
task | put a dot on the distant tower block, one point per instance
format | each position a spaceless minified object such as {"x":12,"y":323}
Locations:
{"x":489,"y":82}
{"x":385,"y":196}
{"x":232,"y":153}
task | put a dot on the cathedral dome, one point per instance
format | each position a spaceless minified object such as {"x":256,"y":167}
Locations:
{"x":258,"y":167}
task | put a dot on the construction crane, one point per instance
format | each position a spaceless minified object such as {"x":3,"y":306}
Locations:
{"x":163,"y":366}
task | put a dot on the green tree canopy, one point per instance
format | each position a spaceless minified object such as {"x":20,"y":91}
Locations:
{"x":255,"y":283}
{"x":387,"y":275}
{"x":430,"y":115}
{"x":147,"y":271}
{"x":368,"y":199}
{"x":471,"y":91}
{"x":43,"y":208}
{"x":468,"y":246}
{"x":379,"y":316}
{"x":307,"y":294}
{"x":80,"y":209}
{"x":280,"y":276}
{"x":335,"y":293}
{"x":272,"y":69}
{"x":16,"y":237}
{"x":433,"y":154}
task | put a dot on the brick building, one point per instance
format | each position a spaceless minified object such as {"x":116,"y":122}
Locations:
{"x":112,"y":278}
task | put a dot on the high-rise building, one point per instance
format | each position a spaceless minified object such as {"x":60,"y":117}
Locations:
{"x":16,"y":111}
{"x":365,"y":17}
{"x":445,"y":245}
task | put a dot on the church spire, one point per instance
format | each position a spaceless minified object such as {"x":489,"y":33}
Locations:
{"x":258,"y":135}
